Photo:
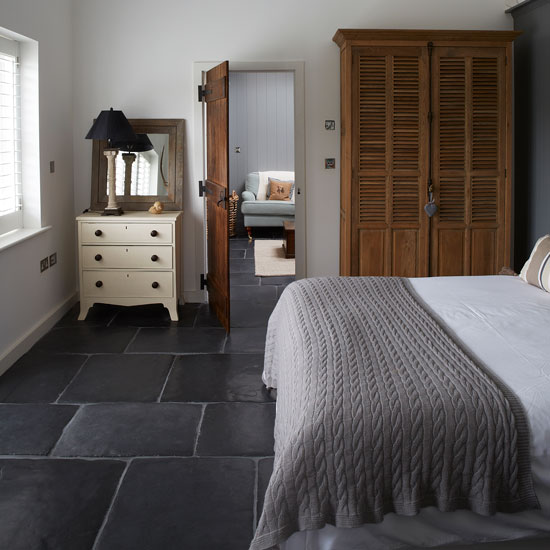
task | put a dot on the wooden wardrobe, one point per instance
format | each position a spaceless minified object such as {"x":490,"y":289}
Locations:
{"x":425,"y":114}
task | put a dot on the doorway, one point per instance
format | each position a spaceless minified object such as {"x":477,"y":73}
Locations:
{"x":242,"y":251}
{"x":262,"y":184}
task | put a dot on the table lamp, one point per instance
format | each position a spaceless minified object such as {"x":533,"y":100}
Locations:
{"x":114,"y":127}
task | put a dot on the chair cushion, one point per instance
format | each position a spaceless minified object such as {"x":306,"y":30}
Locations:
{"x":268,"y":208}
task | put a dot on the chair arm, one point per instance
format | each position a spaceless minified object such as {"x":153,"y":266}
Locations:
{"x":248,"y":196}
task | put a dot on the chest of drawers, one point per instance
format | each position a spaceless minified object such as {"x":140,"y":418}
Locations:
{"x":129,"y":260}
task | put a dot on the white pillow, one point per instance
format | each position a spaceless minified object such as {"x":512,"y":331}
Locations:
{"x":536,"y":270}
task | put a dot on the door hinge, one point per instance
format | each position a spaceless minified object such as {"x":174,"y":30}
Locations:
{"x":203,"y":92}
{"x":203,"y":190}
{"x":204,"y":281}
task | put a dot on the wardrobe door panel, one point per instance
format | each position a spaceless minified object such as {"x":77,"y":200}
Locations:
{"x":389,"y":160}
{"x":372,"y":252}
{"x":405,"y":253}
{"x":469,"y":159}
{"x":449,"y":246}
{"x":483,"y":252}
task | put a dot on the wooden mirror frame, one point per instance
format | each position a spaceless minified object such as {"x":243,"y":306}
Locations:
{"x":174,"y":199}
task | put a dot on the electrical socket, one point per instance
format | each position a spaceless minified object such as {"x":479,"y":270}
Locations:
{"x":53,"y":259}
{"x":43,"y":264}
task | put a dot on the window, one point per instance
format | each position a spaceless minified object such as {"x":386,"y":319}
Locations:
{"x":11,"y":216}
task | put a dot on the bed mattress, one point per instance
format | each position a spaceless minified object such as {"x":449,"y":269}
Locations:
{"x":505,"y":323}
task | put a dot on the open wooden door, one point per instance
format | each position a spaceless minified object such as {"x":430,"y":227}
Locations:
{"x":215,"y":94}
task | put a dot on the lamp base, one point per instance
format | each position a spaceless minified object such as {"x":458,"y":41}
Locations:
{"x":113,"y":212}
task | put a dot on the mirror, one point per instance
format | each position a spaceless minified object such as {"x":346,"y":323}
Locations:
{"x":148,"y":170}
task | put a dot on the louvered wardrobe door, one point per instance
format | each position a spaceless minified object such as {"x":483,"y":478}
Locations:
{"x":468,"y":234}
{"x":389,"y":161}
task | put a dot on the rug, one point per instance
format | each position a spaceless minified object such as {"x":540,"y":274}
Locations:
{"x":270,"y":261}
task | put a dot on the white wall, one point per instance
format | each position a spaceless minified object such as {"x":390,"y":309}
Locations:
{"x":27,"y":297}
{"x":171,"y":34}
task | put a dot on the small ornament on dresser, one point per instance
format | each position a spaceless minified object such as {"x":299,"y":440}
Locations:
{"x":157,"y":208}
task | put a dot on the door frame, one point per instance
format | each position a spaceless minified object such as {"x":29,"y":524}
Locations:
{"x":298,"y":68}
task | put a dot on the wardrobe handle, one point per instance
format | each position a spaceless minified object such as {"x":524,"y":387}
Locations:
{"x":99,"y":284}
{"x":98,"y":257}
{"x":154,"y":233}
{"x":154,"y":258}
{"x":98,"y":232}
{"x":155,"y":285}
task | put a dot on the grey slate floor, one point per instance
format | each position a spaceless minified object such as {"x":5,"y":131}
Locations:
{"x":129,"y":431}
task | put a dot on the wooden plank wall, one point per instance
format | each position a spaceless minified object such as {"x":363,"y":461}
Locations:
{"x":261,"y":123}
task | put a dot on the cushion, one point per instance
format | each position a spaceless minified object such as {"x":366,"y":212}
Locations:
{"x":261,"y":195}
{"x":268,"y":208}
{"x":279,"y":190}
{"x":536,"y":270}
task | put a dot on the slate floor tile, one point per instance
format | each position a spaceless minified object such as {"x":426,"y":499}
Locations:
{"x":249,"y":314}
{"x":131,"y":429}
{"x":38,"y":377}
{"x":179,"y":340}
{"x":254,"y":294}
{"x":32,"y":429}
{"x":246,"y":340}
{"x":240,"y":244}
{"x":182,"y":504}
{"x":236,"y":254}
{"x":55,"y":504}
{"x":241,"y":266}
{"x":217,"y":377}
{"x":155,"y":315}
{"x":249,"y":254}
{"x":248,"y":279}
{"x":265,"y":468}
{"x":206,"y":317}
{"x":119,"y":377}
{"x":279,"y":280}
{"x":237,"y":429}
{"x":98,"y":315}
{"x":86,"y":339}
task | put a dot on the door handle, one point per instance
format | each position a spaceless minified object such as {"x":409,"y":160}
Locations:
{"x":222,"y":199}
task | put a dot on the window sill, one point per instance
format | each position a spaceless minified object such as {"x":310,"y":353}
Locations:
{"x":19,"y":235}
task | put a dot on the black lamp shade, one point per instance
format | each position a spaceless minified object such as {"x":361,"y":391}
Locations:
{"x":142,"y":143}
{"x":112,"y":126}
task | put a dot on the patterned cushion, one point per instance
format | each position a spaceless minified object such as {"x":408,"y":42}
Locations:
{"x":279,"y":190}
{"x":536,"y":270}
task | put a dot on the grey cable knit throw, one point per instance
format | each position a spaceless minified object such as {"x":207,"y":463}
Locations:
{"x":380,"y":409}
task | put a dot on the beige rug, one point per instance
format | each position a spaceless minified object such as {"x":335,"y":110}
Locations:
{"x":270,"y":259}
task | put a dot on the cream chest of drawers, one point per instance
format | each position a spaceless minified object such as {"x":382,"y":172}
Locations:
{"x":129,"y":260}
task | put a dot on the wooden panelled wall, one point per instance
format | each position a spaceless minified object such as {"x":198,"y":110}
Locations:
{"x":425,"y":114}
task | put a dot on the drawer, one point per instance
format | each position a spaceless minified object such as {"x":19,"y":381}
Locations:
{"x":127,"y":284}
{"x":126,"y":233}
{"x":127,"y":257}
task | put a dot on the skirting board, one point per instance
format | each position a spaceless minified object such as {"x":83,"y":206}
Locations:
{"x":195,"y":296}
{"x":25,"y":342}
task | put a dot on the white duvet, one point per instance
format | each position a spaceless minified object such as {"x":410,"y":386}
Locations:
{"x":505,"y":322}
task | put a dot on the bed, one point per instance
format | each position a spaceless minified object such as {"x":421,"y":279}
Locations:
{"x":500,"y":323}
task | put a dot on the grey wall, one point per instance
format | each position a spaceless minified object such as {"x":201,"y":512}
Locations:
{"x":261,"y":123}
{"x":532,"y":126}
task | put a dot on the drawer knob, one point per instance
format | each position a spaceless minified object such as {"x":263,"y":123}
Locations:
{"x":154,"y":233}
{"x":99,"y":284}
{"x":155,"y":285}
{"x":98,"y":232}
{"x":98,"y":257}
{"x":154,"y":258}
